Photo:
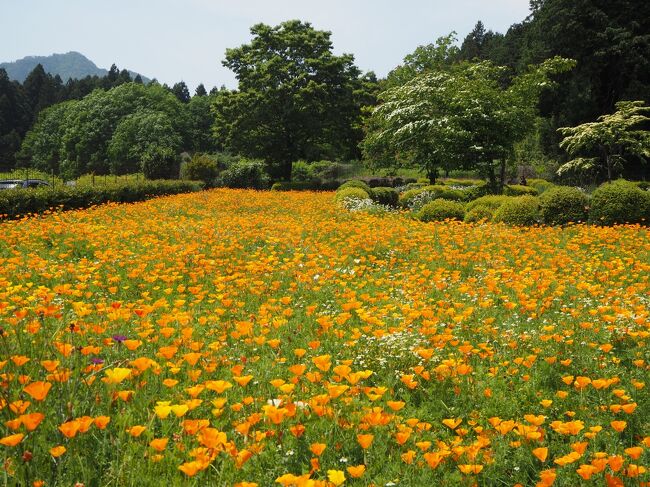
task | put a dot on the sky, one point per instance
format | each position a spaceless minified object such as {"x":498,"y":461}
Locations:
{"x":173,"y":40}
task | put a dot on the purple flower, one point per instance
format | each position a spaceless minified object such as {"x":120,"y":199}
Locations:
{"x":97,"y":360}
{"x":119,"y":338}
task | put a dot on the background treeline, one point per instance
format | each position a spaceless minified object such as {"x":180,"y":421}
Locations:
{"x":297,"y":101}
{"x":22,"y":103}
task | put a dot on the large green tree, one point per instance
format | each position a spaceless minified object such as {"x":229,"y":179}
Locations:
{"x":138,"y":134}
{"x":460,"y":118}
{"x":42,"y":145}
{"x":295,"y":99}
{"x":73,"y":138}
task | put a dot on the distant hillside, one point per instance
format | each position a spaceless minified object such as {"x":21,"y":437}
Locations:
{"x":69,"y":65}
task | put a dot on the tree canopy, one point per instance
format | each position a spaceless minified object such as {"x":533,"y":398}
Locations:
{"x":74,"y":138}
{"x":295,"y":99}
{"x":460,"y":118}
{"x":609,"y":142}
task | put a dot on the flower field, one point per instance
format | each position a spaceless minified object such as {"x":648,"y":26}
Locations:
{"x":255,"y":338}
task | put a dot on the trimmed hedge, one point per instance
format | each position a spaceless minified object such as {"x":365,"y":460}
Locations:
{"x":355,"y":183}
{"x":519,"y":190}
{"x":305,"y":186}
{"x":351,"y":193}
{"x":562,"y":204}
{"x":479,"y":213}
{"x":619,"y":202}
{"x":519,"y":210}
{"x":491,"y":201}
{"x":441,"y":209}
{"x":20,"y":202}
{"x":418,"y":197}
{"x":385,"y":196}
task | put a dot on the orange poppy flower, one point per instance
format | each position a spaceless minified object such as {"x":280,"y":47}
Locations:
{"x":159,"y":444}
{"x":57,"y":451}
{"x":365,"y":440}
{"x":38,"y":390}
{"x":12,"y":440}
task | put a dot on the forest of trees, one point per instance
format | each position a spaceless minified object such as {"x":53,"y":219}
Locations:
{"x":296,"y":100}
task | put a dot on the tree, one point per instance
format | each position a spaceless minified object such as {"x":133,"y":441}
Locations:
{"x":472,"y":47}
{"x":200,"y":91}
{"x":609,"y":41}
{"x":142,"y":132}
{"x":462,"y":118}
{"x":428,"y":58}
{"x":15,"y":118}
{"x":201,"y":119}
{"x":181,"y":92}
{"x":40,"y":89}
{"x":295,"y":99}
{"x":610,"y":140}
{"x":42,"y":144}
{"x":76,"y":139}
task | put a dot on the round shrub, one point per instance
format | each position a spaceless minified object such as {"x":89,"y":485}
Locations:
{"x":466,"y":183}
{"x":160,"y":163}
{"x":479,"y":213}
{"x":328,"y":170}
{"x":619,"y":202}
{"x":350,"y":193}
{"x":406,"y":198}
{"x":385,"y":196}
{"x":418,"y":197}
{"x":441,"y":209}
{"x":519,"y":190}
{"x":519,"y":210}
{"x":296,"y":186}
{"x":200,"y":168}
{"x":562,"y":204}
{"x":245,"y":174}
{"x":491,"y":201}
{"x":355,"y":183}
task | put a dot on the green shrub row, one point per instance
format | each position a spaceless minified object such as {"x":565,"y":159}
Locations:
{"x":611,"y":203}
{"x":305,"y":186}
{"x":20,"y":202}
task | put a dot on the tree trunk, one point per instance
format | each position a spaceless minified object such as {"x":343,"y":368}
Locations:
{"x":432,"y":174}
{"x":502,"y":175}
{"x":492,"y":179}
{"x":608,"y":161}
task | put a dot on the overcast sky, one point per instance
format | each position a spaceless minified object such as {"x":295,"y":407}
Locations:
{"x":175,"y":40}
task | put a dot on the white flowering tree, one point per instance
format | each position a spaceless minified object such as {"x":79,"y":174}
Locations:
{"x":609,"y":141}
{"x":464,"y":117}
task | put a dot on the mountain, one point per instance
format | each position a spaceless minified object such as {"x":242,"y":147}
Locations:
{"x":68,"y":65}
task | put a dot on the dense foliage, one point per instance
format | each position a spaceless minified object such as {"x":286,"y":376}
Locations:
{"x":562,"y":205}
{"x":295,"y":100}
{"x":461,"y":118}
{"x":619,"y":202}
{"x":108,"y":131}
{"x":440,"y":210}
{"x":20,"y":202}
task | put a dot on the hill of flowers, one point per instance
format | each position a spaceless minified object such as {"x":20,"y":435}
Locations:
{"x":234,"y":337}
